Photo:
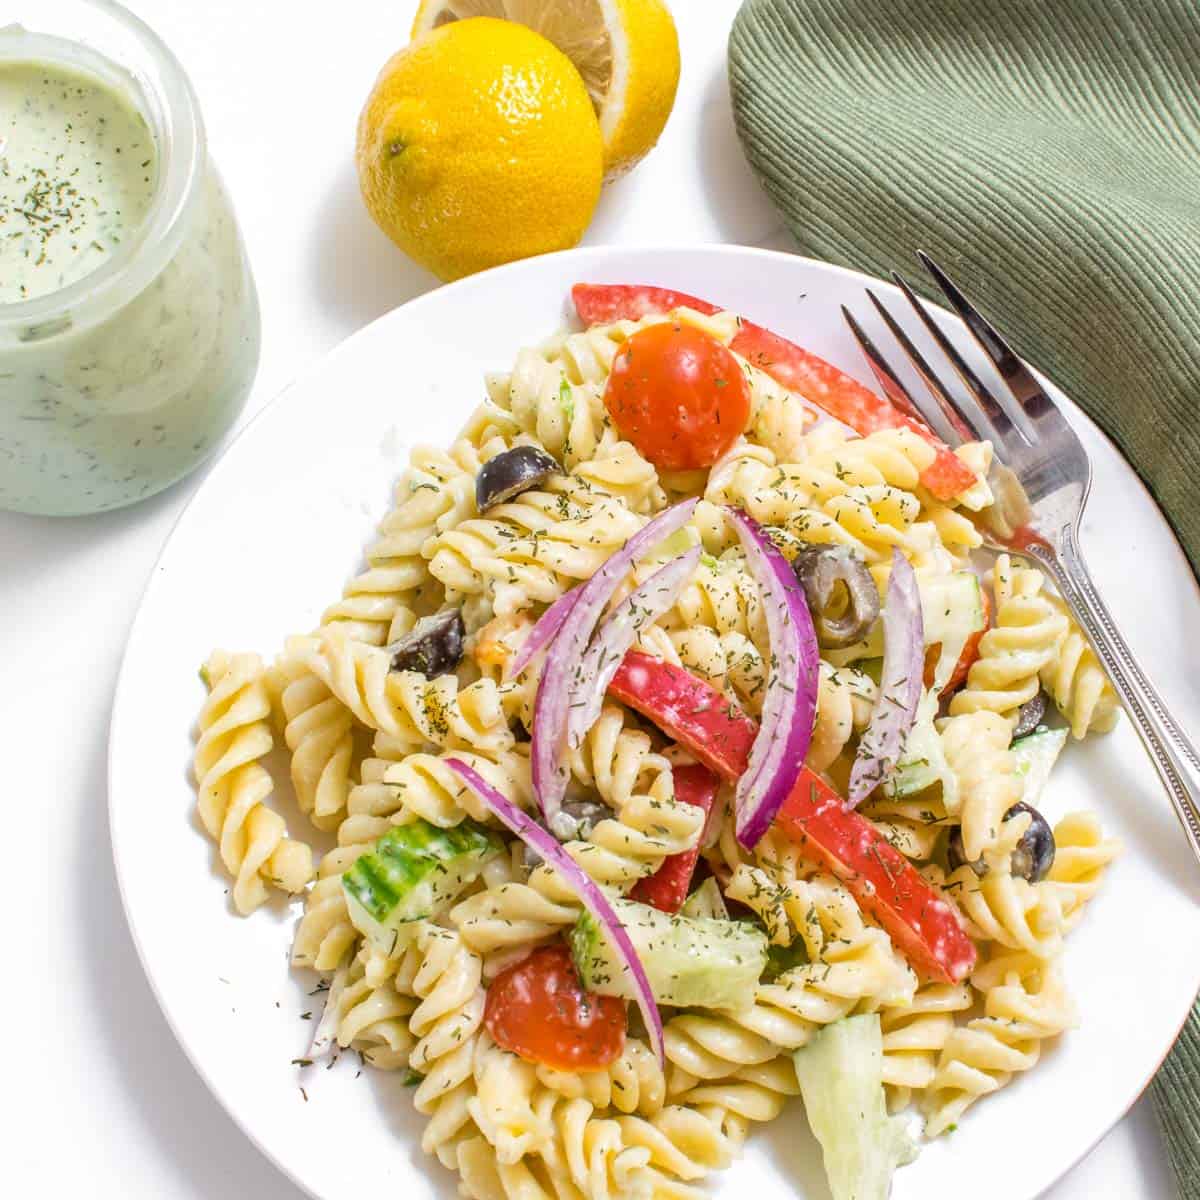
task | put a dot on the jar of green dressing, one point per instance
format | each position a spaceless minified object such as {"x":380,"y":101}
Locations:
{"x":129,"y":325}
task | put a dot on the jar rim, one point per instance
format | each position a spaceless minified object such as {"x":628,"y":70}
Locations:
{"x":182,"y":151}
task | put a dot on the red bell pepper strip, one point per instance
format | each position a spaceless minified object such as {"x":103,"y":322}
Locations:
{"x":793,"y":367}
{"x":693,"y":712}
{"x":667,"y":888}
{"x":920,"y":921}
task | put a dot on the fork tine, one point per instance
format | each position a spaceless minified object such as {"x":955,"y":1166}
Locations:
{"x":891,"y":383}
{"x":989,"y":406}
{"x":952,"y":418}
{"x":1030,"y":400}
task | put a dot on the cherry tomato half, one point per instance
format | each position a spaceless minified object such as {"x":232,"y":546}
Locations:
{"x":678,"y":395}
{"x":537,"y":1009}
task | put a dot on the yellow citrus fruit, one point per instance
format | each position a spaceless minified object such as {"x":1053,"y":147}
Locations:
{"x":626,"y":50}
{"x":479,"y":145}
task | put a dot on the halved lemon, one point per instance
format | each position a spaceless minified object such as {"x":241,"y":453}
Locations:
{"x":626,"y":50}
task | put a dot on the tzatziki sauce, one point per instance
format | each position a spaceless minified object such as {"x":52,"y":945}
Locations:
{"x":125,"y":384}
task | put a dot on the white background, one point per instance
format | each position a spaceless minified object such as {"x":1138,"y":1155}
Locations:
{"x":98,"y":1099}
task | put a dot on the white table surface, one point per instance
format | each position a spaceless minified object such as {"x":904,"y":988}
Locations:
{"x":98,"y":1098}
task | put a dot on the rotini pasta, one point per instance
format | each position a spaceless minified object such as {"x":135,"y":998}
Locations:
{"x":1081,"y":858}
{"x":369,"y":1016}
{"x":1001,"y":908}
{"x":1023,"y":641}
{"x":617,"y":852}
{"x":233,"y":786}
{"x":532,"y":549}
{"x":1077,"y":685}
{"x":436,"y":493}
{"x":1025,"y":1002}
{"x":976,"y":746}
{"x":914,"y":1035}
{"x":319,"y":731}
{"x":445,"y":1024}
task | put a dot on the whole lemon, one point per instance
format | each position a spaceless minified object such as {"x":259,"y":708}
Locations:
{"x":479,"y":145}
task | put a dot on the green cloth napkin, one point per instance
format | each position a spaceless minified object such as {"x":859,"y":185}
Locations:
{"x":1047,"y":152}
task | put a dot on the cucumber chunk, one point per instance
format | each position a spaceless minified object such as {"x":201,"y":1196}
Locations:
{"x":1036,"y":755}
{"x":841,"y":1080}
{"x":691,"y":962}
{"x":923,"y":761}
{"x":706,"y":901}
{"x":413,"y":870}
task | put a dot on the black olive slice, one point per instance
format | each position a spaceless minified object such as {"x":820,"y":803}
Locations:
{"x":1029,"y":715}
{"x":575,"y":820}
{"x":434,"y":645}
{"x":841,"y":594}
{"x":511,"y":473}
{"x":1031,"y":859}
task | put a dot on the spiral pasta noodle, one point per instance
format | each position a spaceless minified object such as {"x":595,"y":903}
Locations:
{"x":851,"y":967}
{"x":1025,"y":1003}
{"x":915,"y":1034}
{"x":632,"y":1083}
{"x":318,"y":730}
{"x":1003,"y":908}
{"x":1082,"y":857}
{"x":417,"y":712}
{"x":1077,"y":685}
{"x":913,"y":825}
{"x":445,"y":1024}
{"x":845,"y":699}
{"x":502,"y":1107}
{"x":533,"y":548}
{"x":234,"y":735}
{"x":976,"y":746}
{"x":435,"y":493}
{"x":1023,"y":641}
{"x":370,"y":1016}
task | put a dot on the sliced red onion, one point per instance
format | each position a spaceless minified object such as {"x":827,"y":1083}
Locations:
{"x":640,"y":608}
{"x":563,"y":684}
{"x":790,"y":704}
{"x":548,"y":624}
{"x":882,"y":742}
{"x":578,"y":880}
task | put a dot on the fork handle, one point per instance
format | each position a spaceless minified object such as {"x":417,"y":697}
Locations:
{"x":1172,"y":752}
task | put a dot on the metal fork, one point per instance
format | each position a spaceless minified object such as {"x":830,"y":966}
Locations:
{"x":1040,"y":477}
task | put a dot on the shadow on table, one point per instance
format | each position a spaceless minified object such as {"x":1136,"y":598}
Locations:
{"x":739,"y":202}
{"x":207,"y":1152}
{"x":355,"y":268}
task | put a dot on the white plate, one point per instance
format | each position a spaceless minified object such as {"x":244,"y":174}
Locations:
{"x":267,"y":543}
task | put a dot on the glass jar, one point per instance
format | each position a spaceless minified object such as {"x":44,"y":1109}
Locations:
{"x":123,"y":379}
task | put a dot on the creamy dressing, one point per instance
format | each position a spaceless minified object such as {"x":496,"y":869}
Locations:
{"x":78,"y":171}
{"x":104,"y":406}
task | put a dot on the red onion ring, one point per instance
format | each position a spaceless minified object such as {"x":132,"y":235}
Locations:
{"x":548,"y":624}
{"x":790,"y":703}
{"x":882,"y":742}
{"x":562,"y":684}
{"x":642,"y":606}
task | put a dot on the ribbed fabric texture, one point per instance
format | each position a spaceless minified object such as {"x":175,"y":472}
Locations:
{"x":1177,"y":1099}
{"x":1048,"y":154}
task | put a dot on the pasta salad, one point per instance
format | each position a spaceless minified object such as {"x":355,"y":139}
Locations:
{"x":676,"y":755}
